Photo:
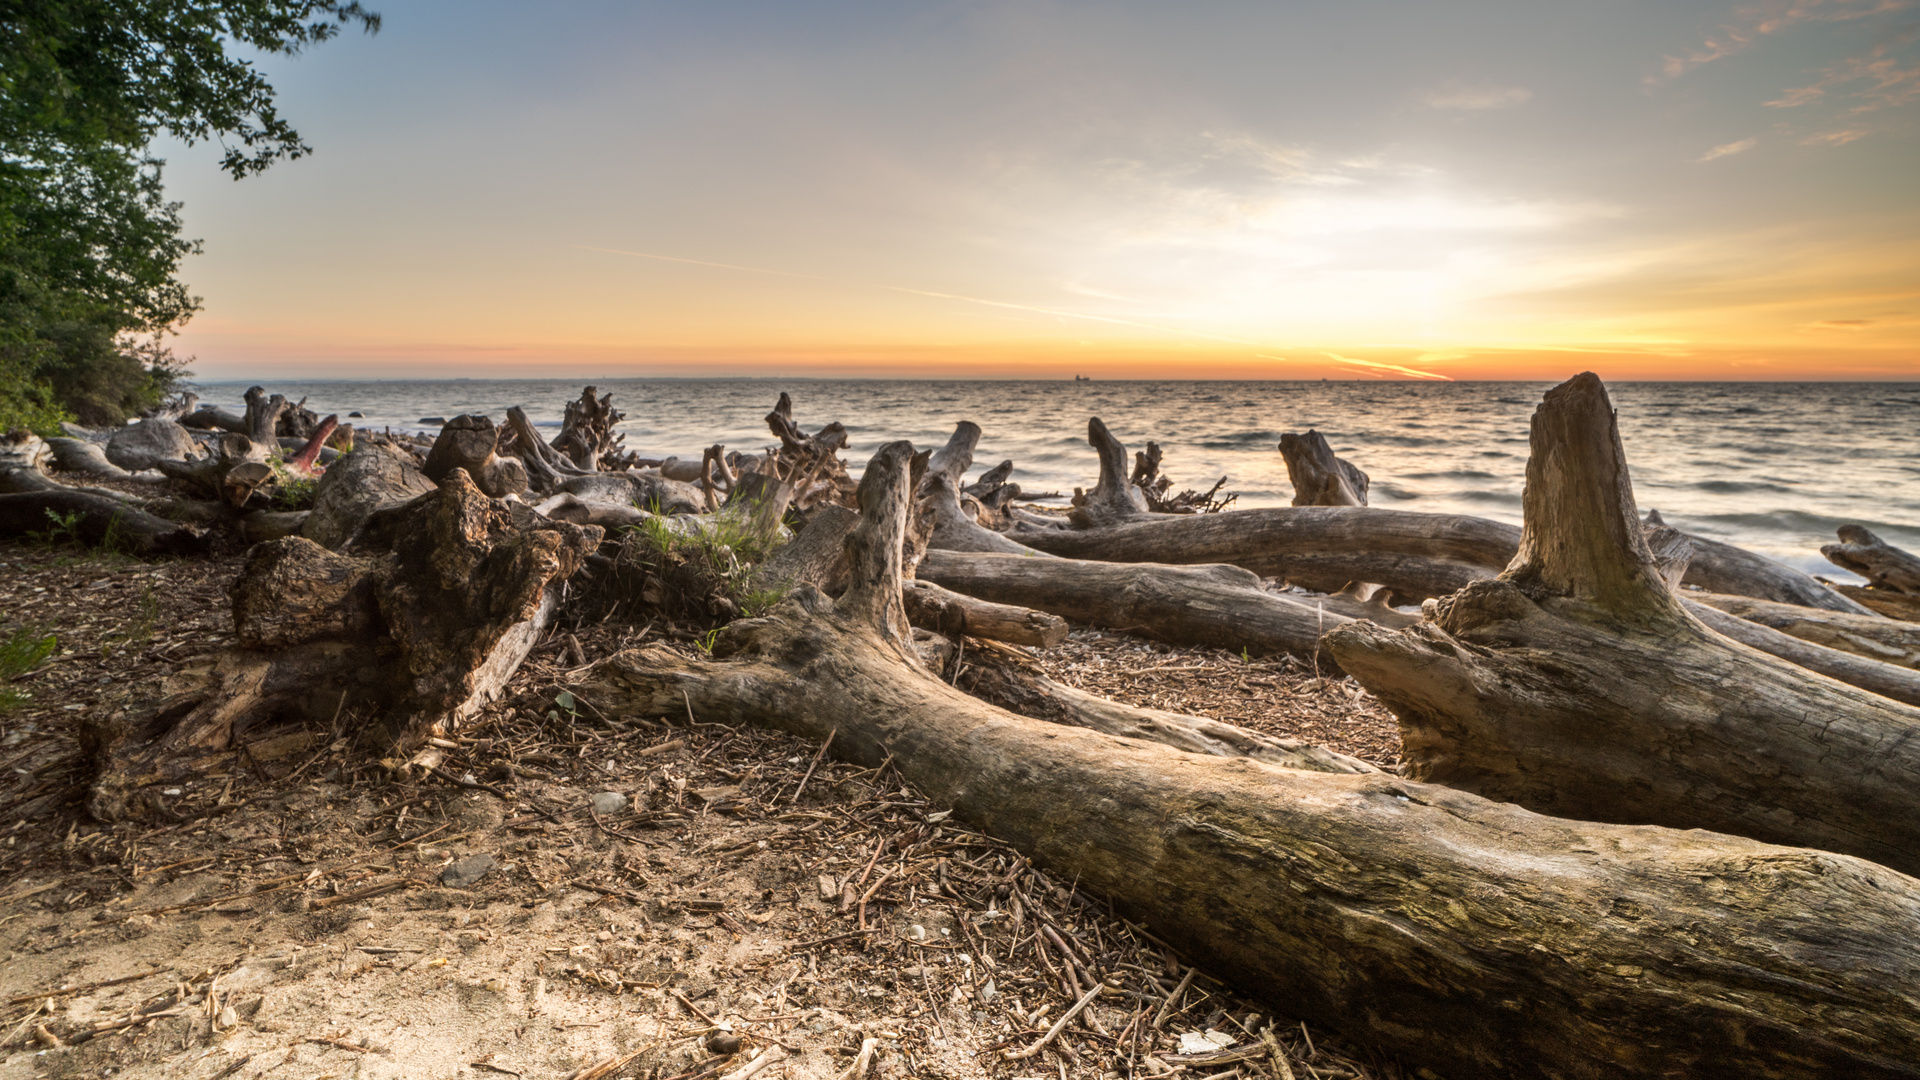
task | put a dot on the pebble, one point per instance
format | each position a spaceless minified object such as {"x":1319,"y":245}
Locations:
{"x":609,"y":802}
{"x":464,"y":873}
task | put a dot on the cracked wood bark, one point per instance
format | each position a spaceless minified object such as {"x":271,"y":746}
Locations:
{"x":1884,"y":602}
{"x":1577,"y":684}
{"x":1222,"y":606}
{"x":931,"y":607}
{"x":416,"y":640}
{"x":1472,"y":936}
{"x":1882,"y":564}
{"x":816,"y":556}
{"x":1319,"y":478}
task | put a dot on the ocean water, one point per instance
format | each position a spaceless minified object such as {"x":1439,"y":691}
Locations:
{"x":1773,"y":467}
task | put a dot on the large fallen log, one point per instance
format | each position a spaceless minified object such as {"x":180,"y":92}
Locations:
{"x":1577,"y":684}
{"x":1222,"y":606}
{"x":95,"y":520}
{"x":1474,"y":937}
{"x":1876,"y":637}
{"x":412,"y":642}
{"x":1885,"y":602}
{"x":1722,"y":568}
{"x":1882,"y":564}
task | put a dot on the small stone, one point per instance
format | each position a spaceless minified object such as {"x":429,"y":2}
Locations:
{"x":724,"y":1042}
{"x":464,"y":873}
{"x":829,"y":888}
{"x":227,"y":1018}
{"x":609,"y":802}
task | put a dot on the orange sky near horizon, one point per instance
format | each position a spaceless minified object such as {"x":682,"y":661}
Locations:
{"x":1001,"y":190}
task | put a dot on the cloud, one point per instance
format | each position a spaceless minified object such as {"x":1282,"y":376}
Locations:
{"x":1750,"y":24}
{"x":1476,"y":97}
{"x":1834,"y":138}
{"x":1729,"y":149}
{"x":1843,"y":324}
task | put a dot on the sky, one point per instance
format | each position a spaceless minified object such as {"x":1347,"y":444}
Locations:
{"x":1042,"y":188}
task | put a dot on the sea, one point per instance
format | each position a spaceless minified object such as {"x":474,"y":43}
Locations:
{"x":1772,"y":467}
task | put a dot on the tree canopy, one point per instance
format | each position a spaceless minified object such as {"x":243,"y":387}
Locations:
{"x":89,"y":245}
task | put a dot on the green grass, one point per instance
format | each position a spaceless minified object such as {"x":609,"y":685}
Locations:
{"x":702,"y":568}
{"x":20,"y":653}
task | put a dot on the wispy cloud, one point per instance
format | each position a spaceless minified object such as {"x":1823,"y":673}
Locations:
{"x":1729,"y":149}
{"x":1752,"y":23}
{"x":1475,"y":96}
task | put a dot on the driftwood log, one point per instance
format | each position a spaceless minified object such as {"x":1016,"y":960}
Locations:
{"x":1473,"y":936}
{"x":816,"y":556}
{"x":415,"y":640}
{"x":1885,"y":602}
{"x":1876,"y":637}
{"x":952,"y":526}
{"x":468,"y":442}
{"x":951,"y":614}
{"x":1221,"y":606}
{"x":546,"y":467}
{"x":587,"y":437}
{"x":1319,"y":478}
{"x":1419,"y":555}
{"x":97,"y":520}
{"x":1883,"y":565}
{"x":1114,"y":498}
{"x":1577,"y":684}
{"x":372,"y":477}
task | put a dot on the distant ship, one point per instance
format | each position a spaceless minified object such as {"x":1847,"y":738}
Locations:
{"x":1081,"y":378}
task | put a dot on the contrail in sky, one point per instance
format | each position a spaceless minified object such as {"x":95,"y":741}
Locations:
{"x":1415,"y":372}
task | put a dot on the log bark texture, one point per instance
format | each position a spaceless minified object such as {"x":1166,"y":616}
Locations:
{"x":1472,"y":936}
{"x":1884,"y":602}
{"x":816,"y":556}
{"x":1221,"y":606}
{"x":1882,"y":564}
{"x":1319,"y":478}
{"x":1577,"y":684}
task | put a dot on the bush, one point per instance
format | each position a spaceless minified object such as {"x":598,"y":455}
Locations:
{"x":698,"y":569}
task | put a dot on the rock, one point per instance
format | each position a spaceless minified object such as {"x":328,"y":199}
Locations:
{"x":356,"y":415}
{"x":138,"y":446}
{"x":431,"y":420}
{"x":609,"y":802}
{"x":22,"y":449}
{"x":464,"y":873}
{"x":724,"y":1042}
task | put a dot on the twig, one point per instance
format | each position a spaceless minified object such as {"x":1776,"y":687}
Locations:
{"x":822,"y":752}
{"x":1059,"y":1025}
{"x":474,"y":785}
{"x":770,"y":1056}
{"x":697,"y":1010}
{"x":27,"y":999}
{"x":1160,"y":1017}
{"x":860,"y":1062}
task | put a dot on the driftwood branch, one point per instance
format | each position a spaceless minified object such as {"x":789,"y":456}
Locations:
{"x":1319,"y":478}
{"x":1882,"y":564}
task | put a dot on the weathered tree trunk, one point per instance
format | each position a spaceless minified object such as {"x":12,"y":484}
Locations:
{"x":1723,"y":568}
{"x":1577,"y":684}
{"x":609,"y":516}
{"x":1875,"y":637}
{"x":1882,"y":564}
{"x":1319,"y":478}
{"x":85,"y":458}
{"x":213,"y":418}
{"x":931,"y":607}
{"x":1474,"y":937}
{"x":816,"y":556}
{"x":96,"y":520}
{"x":1222,"y":606}
{"x":419,"y":638}
{"x":1113,"y":499}
{"x":546,"y":467}
{"x":468,"y":442}
{"x":1884,"y":602}
{"x":263,"y":416}
{"x":811,"y":463}
{"x":587,"y":438}
{"x":371,"y":477}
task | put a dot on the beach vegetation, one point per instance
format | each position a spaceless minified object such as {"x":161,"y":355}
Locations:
{"x":90,"y":247}
{"x":698,"y":568}
{"x":21,"y":652}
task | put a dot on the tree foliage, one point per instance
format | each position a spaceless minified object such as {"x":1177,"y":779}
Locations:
{"x":89,"y":245}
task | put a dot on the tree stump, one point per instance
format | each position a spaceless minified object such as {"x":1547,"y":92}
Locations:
{"x":1578,"y":684}
{"x":1319,"y":478}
